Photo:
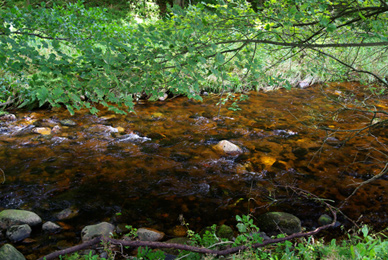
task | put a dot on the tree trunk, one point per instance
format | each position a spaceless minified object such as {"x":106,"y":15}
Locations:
{"x":163,"y":6}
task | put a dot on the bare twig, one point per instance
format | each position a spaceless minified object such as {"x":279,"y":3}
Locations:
{"x":382,"y":172}
{"x":351,"y":67}
{"x":3,"y":175}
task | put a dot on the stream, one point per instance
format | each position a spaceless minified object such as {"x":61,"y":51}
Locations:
{"x":153,"y":167}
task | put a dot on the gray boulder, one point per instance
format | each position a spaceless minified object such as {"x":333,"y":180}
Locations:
{"x":67,"y":122}
{"x":51,"y":227}
{"x":8,"y":252}
{"x":102,"y":229}
{"x":17,"y":233}
{"x":68,"y":213}
{"x":149,"y":234}
{"x":279,"y":222}
{"x":11,"y":217}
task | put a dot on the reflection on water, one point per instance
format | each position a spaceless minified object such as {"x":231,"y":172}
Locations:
{"x":158,"y":163}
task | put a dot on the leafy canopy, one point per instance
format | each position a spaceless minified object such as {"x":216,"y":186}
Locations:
{"x":58,"y":55}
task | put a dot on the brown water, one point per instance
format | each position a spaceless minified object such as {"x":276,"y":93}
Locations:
{"x":148,"y":168}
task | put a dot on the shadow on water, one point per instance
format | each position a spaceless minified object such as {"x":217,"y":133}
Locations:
{"x":148,"y":168}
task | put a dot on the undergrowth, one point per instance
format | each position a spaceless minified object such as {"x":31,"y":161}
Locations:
{"x":358,"y":244}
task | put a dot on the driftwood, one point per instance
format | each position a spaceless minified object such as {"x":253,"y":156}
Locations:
{"x":201,"y":250}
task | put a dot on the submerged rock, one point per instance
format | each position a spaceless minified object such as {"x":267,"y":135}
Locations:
{"x":225,"y":147}
{"x":17,"y":233}
{"x":300,"y":152}
{"x":178,"y":231}
{"x":120,"y":129}
{"x":332,"y":141}
{"x":149,"y":234}
{"x":68,"y":213}
{"x":10,"y":217}
{"x":56,"y":129}
{"x":67,"y":122}
{"x":102,"y":229}
{"x":41,"y":130}
{"x":8,"y":252}
{"x":51,"y":227}
{"x":133,"y":138}
{"x":24,"y":130}
{"x":267,"y":161}
{"x":108,"y":117}
{"x":279,"y":222}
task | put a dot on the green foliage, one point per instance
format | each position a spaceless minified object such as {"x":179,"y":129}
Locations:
{"x":132,"y":232}
{"x":148,"y":254}
{"x":249,"y":232}
{"x":76,"y":256}
{"x":361,"y":244}
{"x":57,"y":54}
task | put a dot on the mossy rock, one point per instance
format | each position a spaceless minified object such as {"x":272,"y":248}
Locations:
{"x":67,"y":122}
{"x":10,"y":217}
{"x":325,"y":220}
{"x":8,"y":252}
{"x":225,"y":231}
{"x":279,"y":222}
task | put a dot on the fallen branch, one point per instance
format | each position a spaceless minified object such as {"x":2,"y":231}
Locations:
{"x":72,"y":249}
{"x":195,"y":249}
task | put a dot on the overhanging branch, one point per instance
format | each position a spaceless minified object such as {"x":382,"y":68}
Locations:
{"x":307,"y":45}
{"x":351,"y":67}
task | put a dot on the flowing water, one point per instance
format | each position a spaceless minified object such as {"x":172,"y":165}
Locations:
{"x":150,"y":167}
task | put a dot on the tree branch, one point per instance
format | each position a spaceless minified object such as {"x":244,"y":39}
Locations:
{"x":201,"y":250}
{"x":308,"y":45}
{"x":37,"y":35}
{"x":381,"y":173}
{"x":351,"y":67}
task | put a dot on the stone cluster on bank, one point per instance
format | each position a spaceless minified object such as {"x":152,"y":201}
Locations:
{"x":17,"y":225}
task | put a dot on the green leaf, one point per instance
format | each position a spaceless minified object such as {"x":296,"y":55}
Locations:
{"x":93,"y":110}
{"x":331,"y":27}
{"x":220,"y":59}
{"x":323,"y":20}
{"x":42,"y":95}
